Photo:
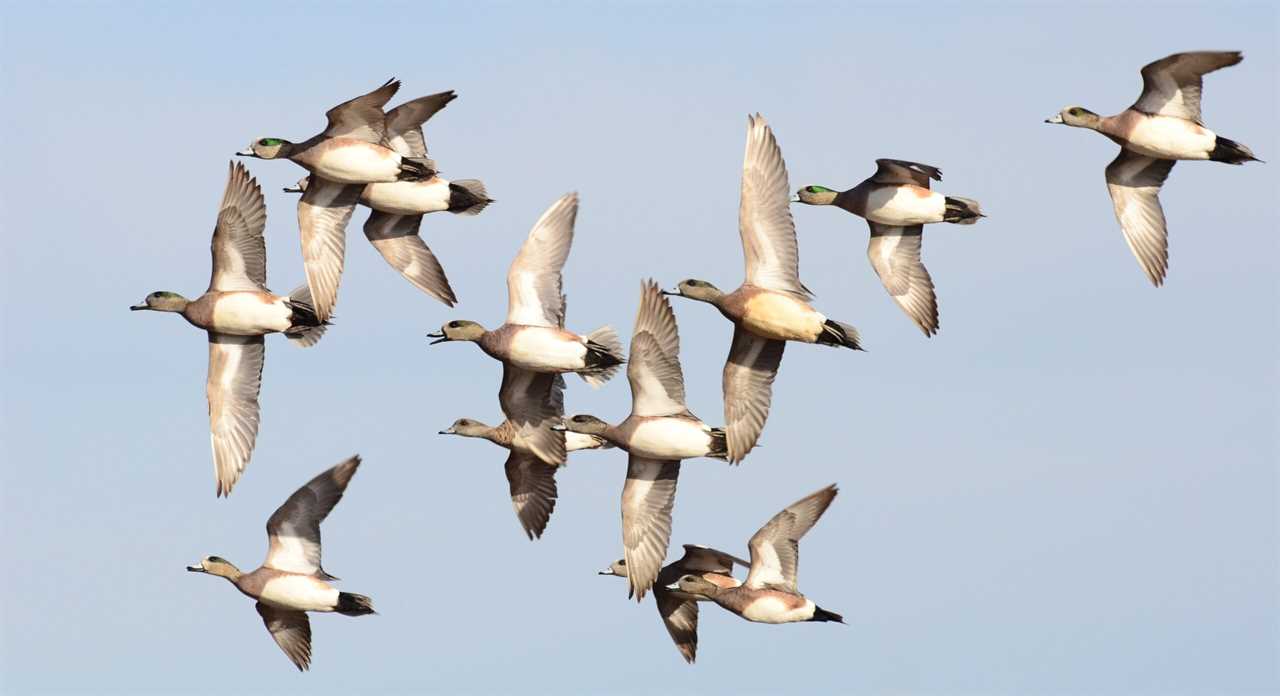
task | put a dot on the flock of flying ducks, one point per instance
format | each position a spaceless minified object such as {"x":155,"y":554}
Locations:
{"x":378,"y":159}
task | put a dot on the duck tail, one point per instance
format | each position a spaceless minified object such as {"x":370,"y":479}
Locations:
{"x":719,"y":445}
{"x":306,"y":328}
{"x":352,"y":604}
{"x":961,"y":211}
{"x":416,"y":168}
{"x":467,"y":197}
{"x":836,"y":333}
{"x":604,"y":356}
{"x":820,"y":614}
{"x":1231,"y":152}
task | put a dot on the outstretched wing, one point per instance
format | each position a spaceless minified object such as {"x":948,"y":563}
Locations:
{"x":895,"y":254}
{"x":404,"y":123}
{"x":748,"y":389}
{"x":1172,"y":86}
{"x":396,"y":238}
{"x":362,"y":118}
{"x":680,"y":616}
{"x":1134,"y":182}
{"x":323,"y":213}
{"x":657,"y":383}
{"x":534,"y":286}
{"x":533,"y":402}
{"x":647,"y":499}
{"x":293,"y":532}
{"x":892,"y":171}
{"x":291,"y":630}
{"x":235,"y":378}
{"x":239,"y":252}
{"x":764,"y":215}
{"x":775,"y":549}
{"x":533,"y":491}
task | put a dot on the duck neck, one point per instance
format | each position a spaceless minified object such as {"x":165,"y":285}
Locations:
{"x":228,"y":571}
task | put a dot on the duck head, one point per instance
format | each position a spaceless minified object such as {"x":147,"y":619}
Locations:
{"x":467,"y":427}
{"x":583,"y":423}
{"x":699,"y":290}
{"x":1076,"y":116}
{"x":267,"y":148}
{"x":815,"y":195}
{"x":695,"y":585}
{"x":162,"y":301}
{"x":458,"y":330}
{"x":215,"y":565}
{"x":618,"y":568}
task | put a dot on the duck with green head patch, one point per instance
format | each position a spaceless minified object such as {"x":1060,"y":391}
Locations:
{"x":394,"y":225}
{"x":772,"y":306}
{"x":237,"y":311}
{"x":1162,"y":127}
{"x":897,"y":203}
{"x":291,"y":581}
{"x":533,"y":337}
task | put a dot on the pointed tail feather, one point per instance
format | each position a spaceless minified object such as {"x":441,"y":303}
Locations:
{"x":836,"y":333}
{"x":962,"y":211}
{"x":604,"y":356}
{"x":820,"y":614}
{"x":1231,"y":152}
{"x":467,"y":197}
{"x":307,"y":329}
{"x":416,"y":168}
{"x":352,"y":604}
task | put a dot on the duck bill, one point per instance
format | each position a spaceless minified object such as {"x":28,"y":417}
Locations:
{"x":1056,"y":118}
{"x":673,"y":586}
{"x":137,"y":307}
{"x":440,"y":338}
{"x":558,"y":428}
{"x":292,"y":189}
{"x":246,"y":153}
{"x":795,"y":198}
{"x":196,"y":569}
{"x":446,"y":432}
{"x":672,"y":293}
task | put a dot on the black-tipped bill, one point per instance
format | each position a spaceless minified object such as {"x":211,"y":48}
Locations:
{"x":439,"y":336}
{"x":558,"y":428}
{"x":246,"y":153}
{"x":673,"y":586}
{"x":196,"y":569}
{"x":138,"y":306}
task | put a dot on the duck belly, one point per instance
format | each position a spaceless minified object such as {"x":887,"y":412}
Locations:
{"x":543,"y":349}
{"x":249,"y":314}
{"x":300,"y":593}
{"x":781,"y":318}
{"x":350,"y":161}
{"x":777,"y":607}
{"x":901,"y":206}
{"x":1165,"y":137}
{"x":408,"y":197}
{"x":670,"y":438}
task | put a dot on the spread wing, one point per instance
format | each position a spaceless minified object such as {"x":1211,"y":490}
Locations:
{"x":362,"y":118}
{"x":533,"y":491}
{"x":764,"y":215}
{"x":680,"y":616}
{"x":239,"y":252}
{"x":1134,"y":182}
{"x":534,"y":286}
{"x":657,"y":383}
{"x":703,"y":559}
{"x":892,"y":171}
{"x":1172,"y":86}
{"x":647,"y":499}
{"x":533,"y":402}
{"x":293,"y":532}
{"x":235,"y":378}
{"x":775,"y":549}
{"x":748,"y":389}
{"x":895,"y":254}
{"x":323,"y":213}
{"x":396,"y":238}
{"x":404,"y":123}
{"x":291,"y":630}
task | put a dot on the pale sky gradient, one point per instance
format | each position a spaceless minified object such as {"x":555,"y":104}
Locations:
{"x":1072,"y":489}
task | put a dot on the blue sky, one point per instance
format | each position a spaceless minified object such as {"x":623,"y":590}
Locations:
{"x":1073,"y":488}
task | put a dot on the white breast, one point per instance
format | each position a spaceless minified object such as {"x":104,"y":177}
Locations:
{"x":905,"y":205}
{"x":546,"y":350}
{"x":1164,"y":137}
{"x":246,"y":314}
{"x":408,"y":197}
{"x":782,"y":317}
{"x":299,"y":592}
{"x":773,"y":609}
{"x":670,"y":438}
{"x":357,"y":162}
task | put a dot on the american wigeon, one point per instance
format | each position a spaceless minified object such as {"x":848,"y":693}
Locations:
{"x":237,"y":311}
{"x":772,"y":306}
{"x":659,"y":433}
{"x":291,"y":581}
{"x":679,"y":611}
{"x":1163,"y":126}
{"x":897,"y":203}
{"x":394,"y":225}
{"x":769,"y":594}
{"x":533,"y":337}
{"x":533,"y":402}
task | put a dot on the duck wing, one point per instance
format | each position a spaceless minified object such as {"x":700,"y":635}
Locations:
{"x":534,"y":283}
{"x":898,"y":172}
{"x":775,"y":549}
{"x":293,"y":531}
{"x":323,"y":213}
{"x":1134,"y":182}
{"x":291,"y":630}
{"x":764,"y":215}
{"x":533,"y":402}
{"x":1172,"y":86}
{"x":657,"y":382}
{"x":396,"y":238}
{"x":748,"y":389}
{"x":704,"y":559}
{"x":235,"y":378}
{"x":404,"y":123}
{"x":680,"y":616}
{"x":895,"y":254}
{"x":362,"y":118}
{"x":238,"y":250}
{"x":647,"y":499}
{"x":533,"y":491}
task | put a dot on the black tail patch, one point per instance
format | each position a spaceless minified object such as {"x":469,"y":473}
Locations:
{"x":962,"y":211}
{"x":467,"y":197}
{"x":352,"y":604}
{"x":719,"y":444}
{"x":820,"y":614}
{"x":835,"y":333}
{"x":599,"y":357}
{"x":1231,"y":152}
{"x":416,"y":168}
{"x":303,"y":314}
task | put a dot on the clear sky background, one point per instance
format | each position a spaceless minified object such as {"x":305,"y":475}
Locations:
{"x":1073,"y":488}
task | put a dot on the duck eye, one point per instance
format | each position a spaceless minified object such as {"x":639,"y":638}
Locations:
{"x":454,"y":324}
{"x":811,"y":189}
